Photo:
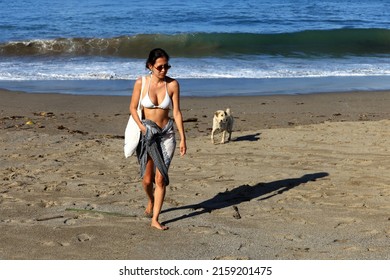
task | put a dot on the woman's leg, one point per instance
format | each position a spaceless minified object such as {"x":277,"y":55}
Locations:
{"x":159,"y":195}
{"x":147,"y":183}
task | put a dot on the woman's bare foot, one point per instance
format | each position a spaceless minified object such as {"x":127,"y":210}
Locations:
{"x":148,"y":215}
{"x":159,"y":226}
{"x":149,"y":210}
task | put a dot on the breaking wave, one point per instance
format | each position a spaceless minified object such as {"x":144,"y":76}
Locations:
{"x":338,"y":42}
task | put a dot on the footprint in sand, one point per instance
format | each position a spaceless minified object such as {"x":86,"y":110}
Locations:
{"x":291,"y":237}
{"x":203,"y":230}
{"x":55,"y":186}
{"x":346,"y":222}
{"x":47,"y":204}
{"x":84,"y":237}
{"x":49,"y":243}
{"x":70,"y":221}
{"x":53,"y":244}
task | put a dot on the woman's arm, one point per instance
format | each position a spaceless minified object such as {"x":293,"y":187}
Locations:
{"x":177,"y":115}
{"x":136,"y":95}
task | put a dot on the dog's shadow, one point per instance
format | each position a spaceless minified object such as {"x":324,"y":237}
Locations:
{"x":243,"y":193}
{"x":250,"y":138}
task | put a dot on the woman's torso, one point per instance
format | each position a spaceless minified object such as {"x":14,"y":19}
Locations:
{"x":156,"y":101}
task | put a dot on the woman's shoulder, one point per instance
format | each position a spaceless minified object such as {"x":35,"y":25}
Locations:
{"x":140,"y":79}
{"x":171,"y":81}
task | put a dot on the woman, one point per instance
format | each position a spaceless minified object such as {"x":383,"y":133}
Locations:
{"x":160,"y":93}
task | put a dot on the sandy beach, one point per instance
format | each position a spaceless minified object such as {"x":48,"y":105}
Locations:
{"x":305,"y":177}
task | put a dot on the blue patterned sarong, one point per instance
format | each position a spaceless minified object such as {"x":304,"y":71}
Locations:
{"x":159,"y":144}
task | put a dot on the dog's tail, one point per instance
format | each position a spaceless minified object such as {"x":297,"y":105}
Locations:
{"x":228,"y":111}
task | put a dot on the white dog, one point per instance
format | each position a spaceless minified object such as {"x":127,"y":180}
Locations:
{"x":222,"y":122}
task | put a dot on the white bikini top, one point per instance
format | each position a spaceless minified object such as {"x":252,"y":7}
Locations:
{"x":165,"y":104}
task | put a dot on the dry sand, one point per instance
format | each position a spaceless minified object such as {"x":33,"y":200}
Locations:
{"x":304,"y":177}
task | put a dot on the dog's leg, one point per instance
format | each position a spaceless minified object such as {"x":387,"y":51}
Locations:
{"x":212,"y":136}
{"x":230,"y":135}
{"x":223,"y":137}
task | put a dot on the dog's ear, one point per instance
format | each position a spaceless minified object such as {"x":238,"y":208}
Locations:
{"x":216,"y":113}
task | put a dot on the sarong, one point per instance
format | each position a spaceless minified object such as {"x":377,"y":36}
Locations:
{"x":159,"y":144}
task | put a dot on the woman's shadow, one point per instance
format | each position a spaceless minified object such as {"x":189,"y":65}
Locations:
{"x":244,"y":193}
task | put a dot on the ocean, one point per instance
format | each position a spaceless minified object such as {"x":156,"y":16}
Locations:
{"x":217,"y":48}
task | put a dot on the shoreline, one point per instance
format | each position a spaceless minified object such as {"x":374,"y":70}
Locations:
{"x":212,"y":87}
{"x":305,"y":173}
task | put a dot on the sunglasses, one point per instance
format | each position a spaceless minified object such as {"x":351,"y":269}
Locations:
{"x":161,"y":67}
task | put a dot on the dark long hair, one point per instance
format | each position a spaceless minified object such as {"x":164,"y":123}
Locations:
{"x":154,"y":55}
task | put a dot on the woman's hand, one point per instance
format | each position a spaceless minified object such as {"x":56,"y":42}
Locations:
{"x":183,"y":147}
{"x":143,"y":129}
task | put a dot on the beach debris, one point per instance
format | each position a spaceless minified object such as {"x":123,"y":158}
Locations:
{"x":236,"y":213}
{"x":78,"y":132}
{"x":49,"y":218}
{"x":191,"y":120}
{"x":29,"y":122}
{"x":111,"y":136}
{"x":12,"y":117}
{"x":44,"y":114}
{"x":61,"y":127}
